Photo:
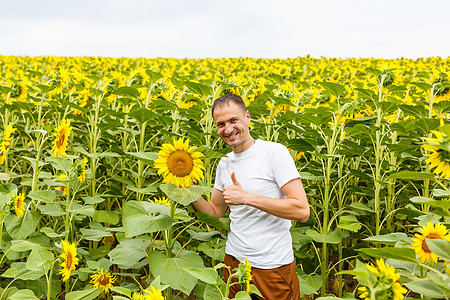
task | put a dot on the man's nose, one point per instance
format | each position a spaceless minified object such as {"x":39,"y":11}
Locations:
{"x":228,"y":128}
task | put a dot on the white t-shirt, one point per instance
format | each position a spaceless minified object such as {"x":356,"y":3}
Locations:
{"x":264,"y":238}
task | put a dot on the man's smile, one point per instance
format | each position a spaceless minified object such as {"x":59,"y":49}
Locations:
{"x":232,"y":135}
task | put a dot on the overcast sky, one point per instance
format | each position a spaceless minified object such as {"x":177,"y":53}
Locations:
{"x":212,"y":28}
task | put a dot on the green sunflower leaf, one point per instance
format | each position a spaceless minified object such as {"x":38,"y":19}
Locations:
{"x":409,"y":175}
{"x":403,"y":254}
{"x":184,"y":196}
{"x":439,"y":247}
{"x":127,"y":91}
{"x":172,"y":271}
{"x":426,"y":287}
{"x":87,"y":294}
{"x":445,"y":204}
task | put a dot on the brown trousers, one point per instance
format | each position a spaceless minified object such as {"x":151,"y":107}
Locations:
{"x":274,"y":284}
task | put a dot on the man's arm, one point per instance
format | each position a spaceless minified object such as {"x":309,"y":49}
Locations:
{"x":216,"y":207}
{"x":294,"y":207}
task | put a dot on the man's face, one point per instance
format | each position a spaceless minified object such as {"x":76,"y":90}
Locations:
{"x":232,"y":124}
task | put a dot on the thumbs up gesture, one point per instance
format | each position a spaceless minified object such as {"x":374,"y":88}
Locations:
{"x":233,"y":178}
{"x":234,"y":194}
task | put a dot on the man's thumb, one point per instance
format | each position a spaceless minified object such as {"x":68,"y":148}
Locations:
{"x":233,"y":178}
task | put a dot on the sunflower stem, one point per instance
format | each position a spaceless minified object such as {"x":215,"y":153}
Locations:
{"x":390,"y":200}
{"x":169,"y":232}
{"x":378,"y":149}
{"x":426,"y":182}
{"x":49,"y":281}
{"x":1,"y":296}
{"x":93,"y":138}
{"x":140,"y":182}
{"x":5,"y":123}
{"x":327,"y":165}
{"x":227,"y":290}
{"x":340,"y":207}
{"x":66,"y":221}
{"x":66,"y":287}
{"x":39,"y":144}
{"x":124,"y":149}
{"x":2,"y":218}
{"x":36,"y":168}
{"x":168,"y":235}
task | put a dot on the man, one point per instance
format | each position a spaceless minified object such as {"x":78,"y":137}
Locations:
{"x":260,"y":183}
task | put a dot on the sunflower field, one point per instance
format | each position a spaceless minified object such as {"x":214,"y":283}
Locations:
{"x":101,"y":158}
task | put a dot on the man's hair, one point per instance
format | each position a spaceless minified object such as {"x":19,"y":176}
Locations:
{"x":225,"y":99}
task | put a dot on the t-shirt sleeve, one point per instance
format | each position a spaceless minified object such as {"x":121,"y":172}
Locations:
{"x":283,"y":166}
{"x":218,"y":184}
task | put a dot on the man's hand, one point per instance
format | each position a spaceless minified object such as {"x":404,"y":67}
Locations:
{"x":234,"y":194}
{"x":294,"y":207}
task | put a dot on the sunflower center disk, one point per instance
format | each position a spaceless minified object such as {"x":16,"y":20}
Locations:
{"x":61,"y":139}
{"x":424,"y":244}
{"x":103,"y":280}
{"x":69,"y":260}
{"x":180,"y":163}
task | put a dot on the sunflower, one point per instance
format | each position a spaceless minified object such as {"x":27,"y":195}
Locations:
{"x":387,"y":285}
{"x":127,"y":108}
{"x":153,"y":294}
{"x":103,"y":280}
{"x":364,"y":292}
{"x":440,"y":154}
{"x":85,"y":98}
{"x":19,"y":205}
{"x":6,"y":142}
{"x":440,"y":82}
{"x":276,"y":108}
{"x":62,"y":188}
{"x":186,"y":105}
{"x":69,"y":255}
{"x":137,"y":296}
{"x":245,"y":275}
{"x":19,"y":91}
{"x":162,"y":200}
{"x":83,"y":101}
{"x":430,"y":231}
{"x":138,"y":76}
{"x":447,"y":267}
{"x":62,"y":134}
{"x":299,"y":155}
{"x":82,"y":177}
{"x":391,"y":118}
{"x":179,"y":164}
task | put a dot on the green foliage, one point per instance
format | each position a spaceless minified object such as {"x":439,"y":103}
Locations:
{"x":357,"y":134}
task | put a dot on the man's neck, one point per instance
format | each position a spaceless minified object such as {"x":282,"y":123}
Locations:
{"x":244,"y":146}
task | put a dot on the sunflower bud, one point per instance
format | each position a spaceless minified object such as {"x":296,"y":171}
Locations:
{"x":245,"y":275}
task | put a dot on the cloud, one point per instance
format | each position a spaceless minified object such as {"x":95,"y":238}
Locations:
{"x":212,"y":28}
{"x":63,"y":37}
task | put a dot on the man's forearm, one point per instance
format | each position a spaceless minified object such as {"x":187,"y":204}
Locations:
{"x":203,"y":206}
{"x":294,"y":207}
{"x":289,"y":208}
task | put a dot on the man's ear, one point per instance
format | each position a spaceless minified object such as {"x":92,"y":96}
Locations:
{"x":247,"y":116}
